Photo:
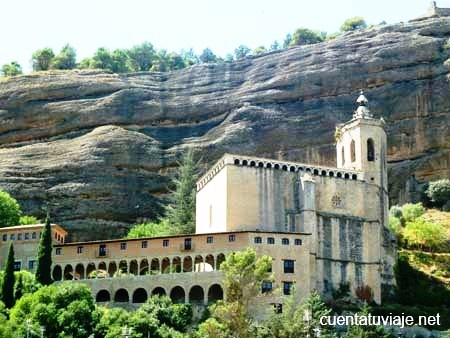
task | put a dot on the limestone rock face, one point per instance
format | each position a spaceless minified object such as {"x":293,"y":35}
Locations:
{"x":101,"y":147}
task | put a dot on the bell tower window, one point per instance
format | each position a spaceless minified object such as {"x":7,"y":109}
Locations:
{"x":343,"y":156}
{"x":352,"y":151}
{"x":370,"y":150}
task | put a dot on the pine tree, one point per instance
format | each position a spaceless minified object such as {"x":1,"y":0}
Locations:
{"x":8,"y":280}
{"x":18,"y":293}
{"x":181,"y":212}
{"x":44,"y":264}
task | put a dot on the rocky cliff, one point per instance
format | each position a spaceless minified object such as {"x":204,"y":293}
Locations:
{"x":102,"y":147}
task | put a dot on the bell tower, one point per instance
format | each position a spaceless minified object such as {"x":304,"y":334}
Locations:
{"x":361,"y":144}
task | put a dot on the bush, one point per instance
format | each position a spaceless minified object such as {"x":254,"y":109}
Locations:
{"x":396,"y":211}
{"x":304,"y":36}
{"x":365,"y":293}
{"x":412,"y":211}
{"x":353,"y":24}
{"x":26,"y":220}
{"x":421,"y":233}
{"x":395,"y":225}
{"x":439,"y":192}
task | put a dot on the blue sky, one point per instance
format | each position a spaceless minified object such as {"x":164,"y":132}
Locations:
{"x":27,"y":25}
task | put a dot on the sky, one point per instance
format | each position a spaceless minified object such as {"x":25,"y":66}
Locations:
{"x":28,"y":25}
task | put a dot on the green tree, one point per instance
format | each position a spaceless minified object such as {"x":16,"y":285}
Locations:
{"x":353,"y":24}
{"x":421,"y":234}
{"x":9,"y":210}
{"x":366,"y":331}
{"x":87,"y":63}
{"x":8,"y":279}
{"x":42,"y":59}
{"x":439,"y":192}
{"x":142,"y":56}
{"x":181,"y":211}
{"x":66,"y":59}
{"x":412,"y":211}
{"x":44,"y":262}
{"x":64,"y":309}
{"x":19,"y":288}
{"x":175,"y":61}
{"x":229,"y":57}
{"x":259,"y":50}
{"x":26,"y":220}
{"x":287,"y":40}
{"x":161,"y":228}
{"x":189,"y":57}
{"x":244,"y":274}
{"x":274,"y":46}
{"x":102,"y":59}
{"x":207,"y":56}
{"x":120,"y":62}
{"x":304,"y":36}
{"x":241,"y":52}
{"x":14,"y":68}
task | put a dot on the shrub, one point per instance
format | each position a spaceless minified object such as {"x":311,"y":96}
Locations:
{"x":421,"y":233}
{"x":395,"y":225}
{"x":25,"y":220}
{"x":439,"y":192}
{"x":412,"y":211}
{"x":365,"y":293}
{"x":9,"y":210}
{"x":396,"y":211}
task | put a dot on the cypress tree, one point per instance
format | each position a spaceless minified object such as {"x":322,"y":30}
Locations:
{"x":8,"y":279}
{"x":18,"y":293}
{"x":181,"y":212}
{"x":44,"y":263}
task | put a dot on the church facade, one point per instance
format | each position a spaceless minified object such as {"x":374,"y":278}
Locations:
{"x":324,"y":227}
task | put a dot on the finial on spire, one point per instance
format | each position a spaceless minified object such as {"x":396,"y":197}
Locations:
{"x":362,"y":111}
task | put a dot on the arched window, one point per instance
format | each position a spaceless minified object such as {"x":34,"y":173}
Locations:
{"x":370,"y":150}
{"x":352,"y":151}
{"x":343,"y":156}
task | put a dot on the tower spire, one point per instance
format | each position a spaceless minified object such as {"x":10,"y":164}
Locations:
{"x":363,"y":111}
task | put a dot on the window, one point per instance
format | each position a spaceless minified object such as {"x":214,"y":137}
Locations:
{"x":102,"y":250}
{"x":343,"y":156}
{"x":231,"y":238}
{"x":144,"y":244}
{"x":258,"y":240}
{"x":17,"y":265}
{"x":188,"y":244}
{"x":270,"y":240}
{"x":12,"y":237}
{"x":278,"y":308}
{"x":352,"y":151}
{"x":287,"y":286}
{"x":209,"y":239}
{"x":288,"y":266}
{"x":58,"y":251}
{"x":165,"y":243}
{"x":266,"y":286}
{"x":31,"y":264}
{"x":298,"y":241}
{"x":285,"y":241}
{"x":270,"y":269}
{"x":370,"y":150}
{"x":5,"y":237}
{"x":80,"y":250}
{"x":210,"y":216}
{"x":33,"y":235}
{"x":27,"y":236}
{"x":123,"y":246}
{"x":19,"y":237}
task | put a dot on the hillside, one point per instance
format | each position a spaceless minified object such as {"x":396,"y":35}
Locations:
{"x":101,"y":147}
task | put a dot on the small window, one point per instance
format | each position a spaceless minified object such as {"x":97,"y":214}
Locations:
{"x":123,"y":246}
{"x":231,"y":238}
{"x":278,"y":308}
{"x":343,"y":156}
{"x":165,"y":243}
{"x":19,"y":237}
{"x":144,"y":244}
{"x":209,"y":239}
{"x":17,"y":265}
{"x":270,"y":240}
{"x":352,"y":151}
{"x":287,"y":287}
{"x":80,"y":250}
{"x":270,"y":269}
{"x":285,"y":241}
{"x":288,"y":265}
{"x":27,"y":236}
{"x":258,"y":240}
{"x":58,"y":251}
{"x":298,"y":241}
{"x":31,"y":264}
{"x":266,"y":286}
{"x":5,"y":237}
{"x":33,"y":235}
{"x":370,"y":150}
{"x":56,"y":235}
{"x":12,"y":237}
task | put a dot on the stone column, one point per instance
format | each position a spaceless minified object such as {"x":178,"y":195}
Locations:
{"x":308,"y":209}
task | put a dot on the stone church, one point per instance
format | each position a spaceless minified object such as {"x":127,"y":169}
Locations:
{"x":323,"y":227}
